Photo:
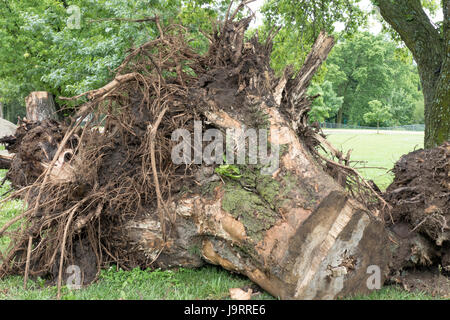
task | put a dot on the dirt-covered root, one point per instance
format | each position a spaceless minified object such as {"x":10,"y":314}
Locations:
{"x":34,"y":145}
{"x":420,"y":230}
{"x":420,"y":193}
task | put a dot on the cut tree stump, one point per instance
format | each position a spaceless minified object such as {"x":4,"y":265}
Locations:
{"x":40,"y":106}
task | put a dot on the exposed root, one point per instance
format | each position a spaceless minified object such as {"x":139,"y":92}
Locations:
{"x":117,"y":165}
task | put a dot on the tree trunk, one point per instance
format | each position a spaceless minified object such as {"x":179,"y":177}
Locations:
{"x":40,"y":106}
{"x":431,"y":52}
{"x":439,"y":113}
{"x":1,"y":110}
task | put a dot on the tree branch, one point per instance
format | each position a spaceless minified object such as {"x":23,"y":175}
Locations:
{"x":408,"y":18}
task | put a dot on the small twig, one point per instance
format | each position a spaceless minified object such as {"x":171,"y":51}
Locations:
{"x":27,"y":263}
{"x":63,"y":246}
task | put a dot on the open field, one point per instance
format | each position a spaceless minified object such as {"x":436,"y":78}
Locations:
{"x":211,"y":282}
{"x":376,"y":150}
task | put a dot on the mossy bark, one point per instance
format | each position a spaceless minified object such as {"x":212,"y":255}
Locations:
{"x":431,"y":50}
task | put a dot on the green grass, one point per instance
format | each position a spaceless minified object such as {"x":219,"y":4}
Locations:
{"x":209,"y":282}
{"x":376,"y":150}
{"x":206,"y":283}
{"x":393,"y":293}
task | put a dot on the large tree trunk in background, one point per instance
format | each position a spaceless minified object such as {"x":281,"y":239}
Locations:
{"x":40,"y":106}
{"x":439,"y":114}
{"x":1,"y":110}
{"x":431,"y":51}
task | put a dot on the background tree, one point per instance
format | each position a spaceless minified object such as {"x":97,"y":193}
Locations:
{"x":428,"y":43}
{"x":301,"y":21}
{"x":378,"y":113}
{"x":326,"y":105}
{"x":375,"y":71}
{"x":430,"y":46}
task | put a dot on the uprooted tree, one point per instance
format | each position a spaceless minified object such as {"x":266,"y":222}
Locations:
{"x":105,"y":189}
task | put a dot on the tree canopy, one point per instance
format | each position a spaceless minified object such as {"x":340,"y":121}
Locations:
{"x":368,"y":67}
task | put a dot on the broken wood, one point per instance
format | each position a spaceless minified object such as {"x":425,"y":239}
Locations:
{"x":5,"y":160}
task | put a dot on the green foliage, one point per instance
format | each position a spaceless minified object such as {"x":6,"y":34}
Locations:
{"x":39,"y":50}
{"x":228,"y":170}
{"x":301,"y":23}
{"x":326,"y":105}
{"x":401,"y":107}
{"x":419,"y":112}
{"x":376,"y":150}
{"x":368,"y":67}
{"x":378,"y":113}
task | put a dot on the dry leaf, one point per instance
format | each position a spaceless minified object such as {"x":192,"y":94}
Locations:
{"x":239,"y":294}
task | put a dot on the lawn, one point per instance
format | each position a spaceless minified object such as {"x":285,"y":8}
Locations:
{"x":210,"y":282}
{"x":376,"y":150}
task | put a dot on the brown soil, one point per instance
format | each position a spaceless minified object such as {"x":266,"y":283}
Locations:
{"x":429,"y":281}
{"x":420,"y":193}
{"x":420,"y":199}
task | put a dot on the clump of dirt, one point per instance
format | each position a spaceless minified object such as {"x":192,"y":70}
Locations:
{"x":420,"y":221}
{"x":430,"y":281}
{"x":33,"y":143}
{"x":420,"y":193}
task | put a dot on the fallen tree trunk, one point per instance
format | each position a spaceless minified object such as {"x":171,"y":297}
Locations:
{"x":116,"y":194}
